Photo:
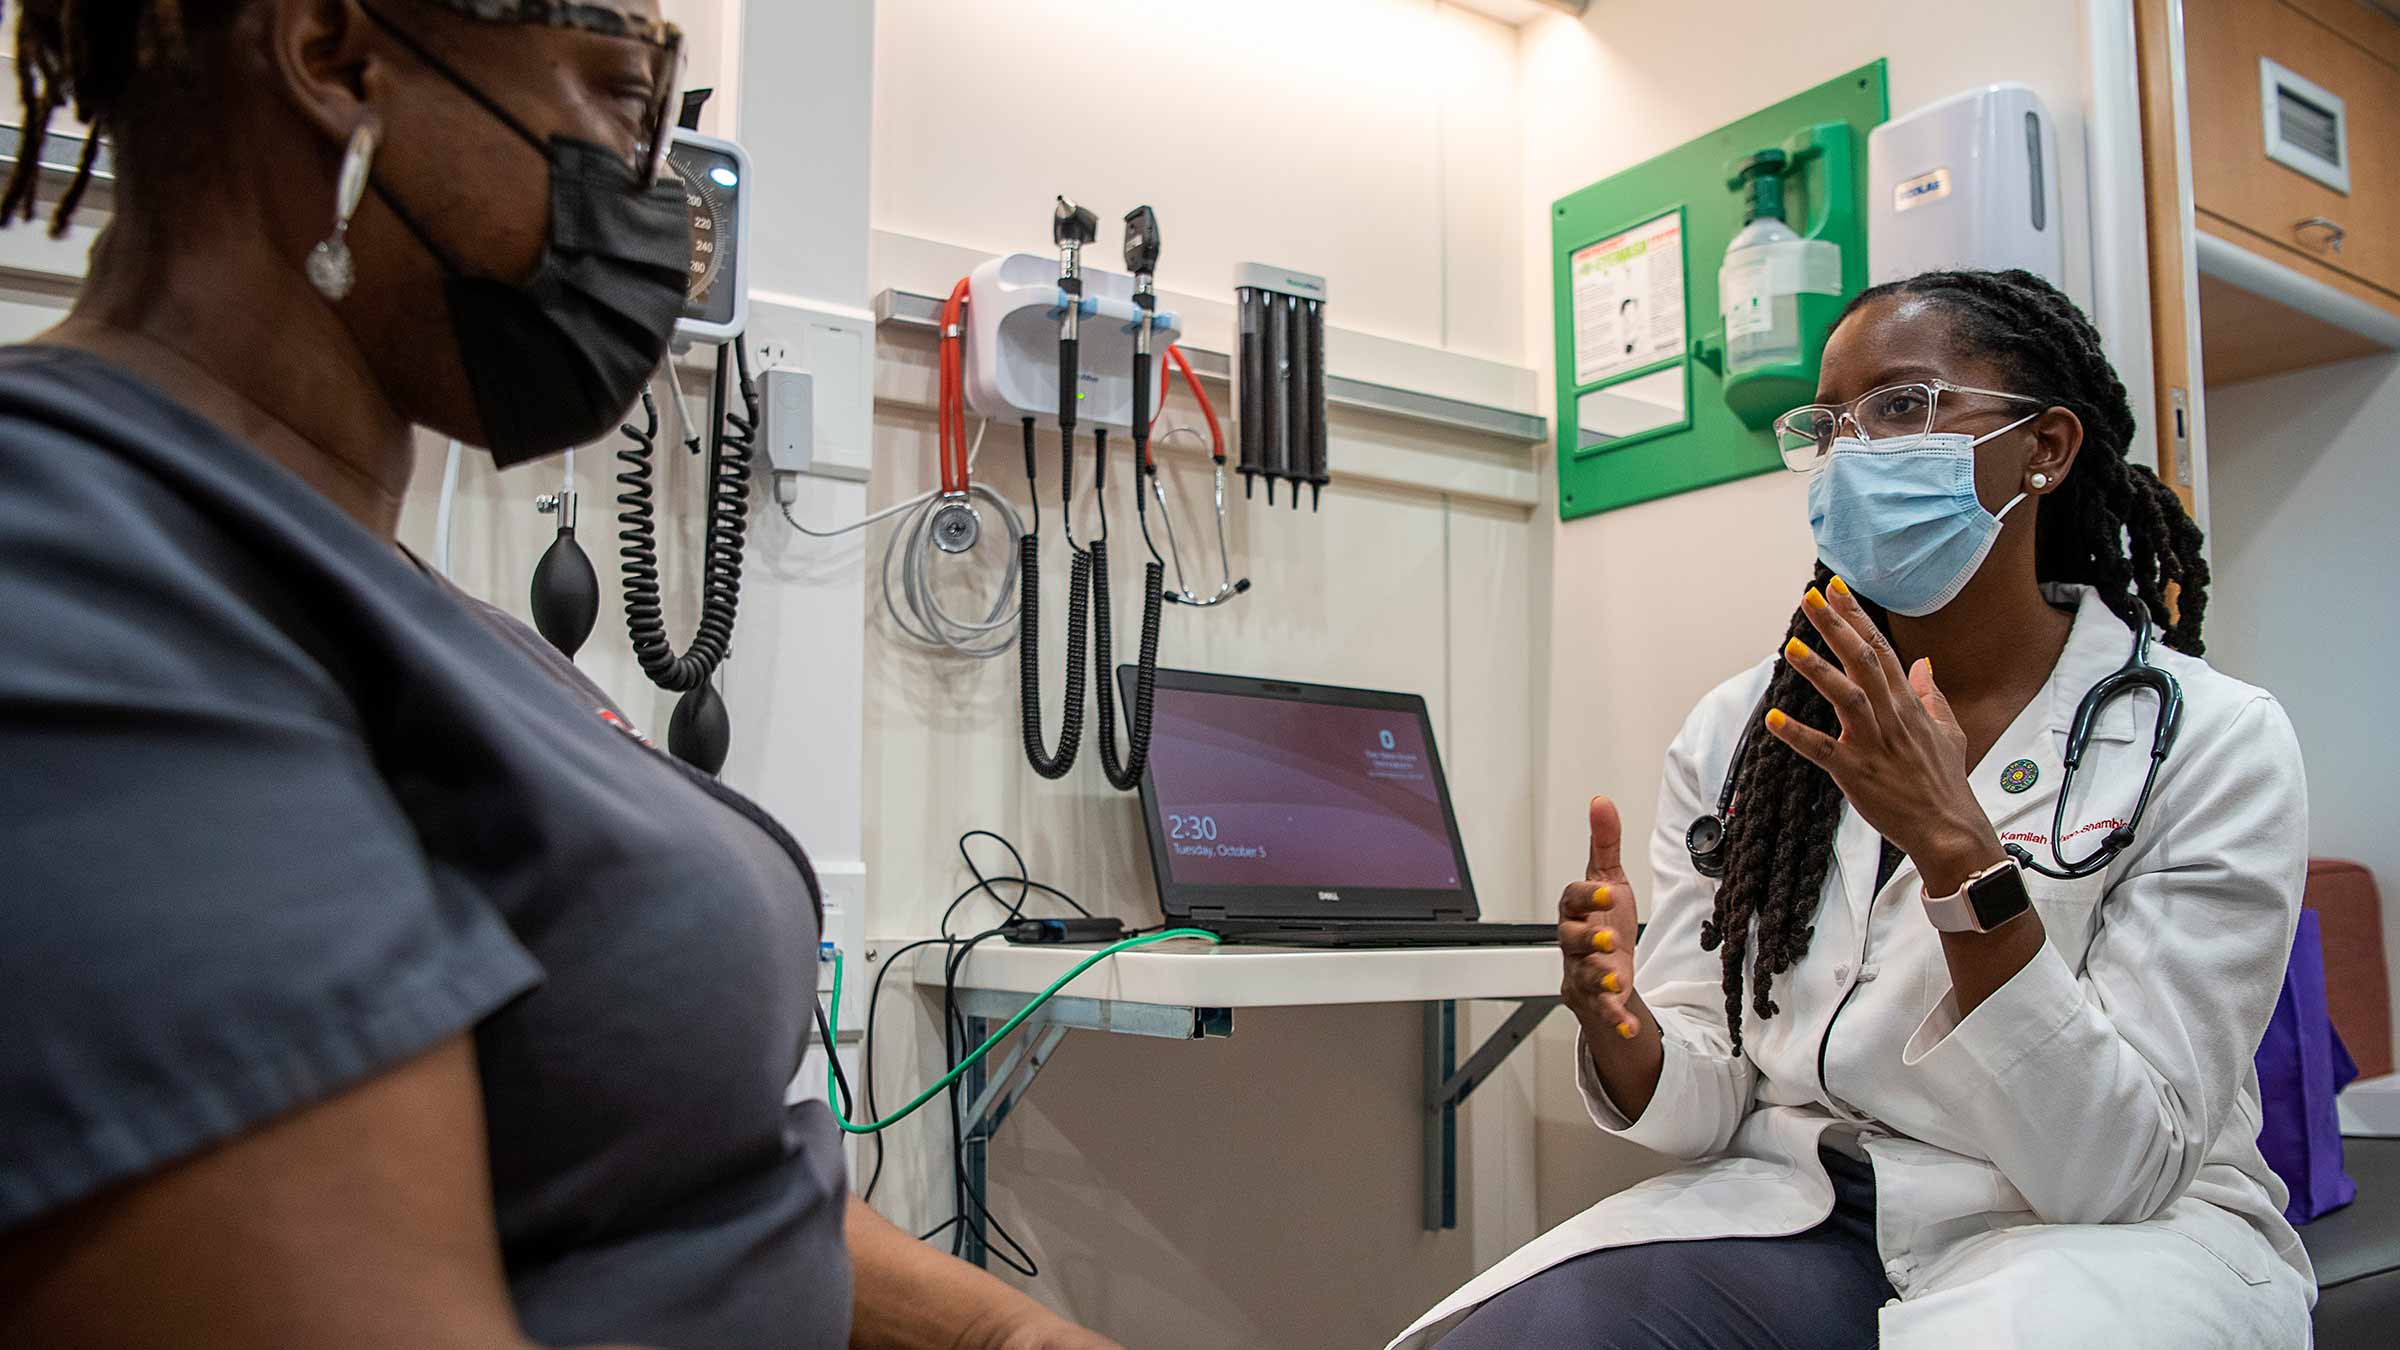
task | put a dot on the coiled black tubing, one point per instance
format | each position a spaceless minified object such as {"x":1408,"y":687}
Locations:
{"x":1127,"y":776}
{"x":1029,"y":658}
{"x":729,"y":459}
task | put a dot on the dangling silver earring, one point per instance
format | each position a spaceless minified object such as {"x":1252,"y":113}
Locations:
{"x":330,"y":268}
{"x":2040,"y":481}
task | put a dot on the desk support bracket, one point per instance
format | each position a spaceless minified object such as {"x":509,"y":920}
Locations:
{"x":994,"y":1092}
{"x":1449,"y":1083}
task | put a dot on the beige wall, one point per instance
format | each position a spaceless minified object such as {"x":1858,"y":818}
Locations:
{"x":1651,"y":606}
{"x":1259,"y":1191}
{"x":2304,"y":470}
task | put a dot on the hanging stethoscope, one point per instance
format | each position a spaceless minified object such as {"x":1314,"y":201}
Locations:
{"x":956,"y":526}
{"x":1231,"y":586}
{"x":1705,"y":840}
{"x":2135,"y":675}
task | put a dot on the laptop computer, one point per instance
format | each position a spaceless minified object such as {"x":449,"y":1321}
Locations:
{"x":1306,"y":815}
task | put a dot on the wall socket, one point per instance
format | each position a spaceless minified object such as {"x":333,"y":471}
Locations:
{"x":835,"y":350}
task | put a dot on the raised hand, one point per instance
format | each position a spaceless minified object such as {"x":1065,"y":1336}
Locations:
{"x":1596,"y":926}
{"x":1901,"y":759}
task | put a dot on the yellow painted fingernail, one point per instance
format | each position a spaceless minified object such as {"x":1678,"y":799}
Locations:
{"x":1626,"y":1030}
{"x":1840,"y":587}
{"x":1611,"y":983}
{"x":1795,"y":650}
{"x":1815,"y":599}
{"x":1600,"y":897}
{"x":1604,"y":940}
{"x":1776,"y":719}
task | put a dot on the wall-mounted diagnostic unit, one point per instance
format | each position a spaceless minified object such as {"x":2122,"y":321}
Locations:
{"x":715,"y":176}
{"x":1971,"y":181}
{"x":714,"y":173}
{"x":1012,"y":355}
{"x":1693,"y":293}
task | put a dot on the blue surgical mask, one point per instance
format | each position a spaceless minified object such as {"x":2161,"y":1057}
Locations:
{"x":1898,"y":519}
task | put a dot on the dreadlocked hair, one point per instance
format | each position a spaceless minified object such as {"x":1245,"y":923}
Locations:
{"x":90,"y":57}
{"x":2110,"y":524}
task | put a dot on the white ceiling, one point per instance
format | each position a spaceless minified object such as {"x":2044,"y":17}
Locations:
{"x":1517,"y":13}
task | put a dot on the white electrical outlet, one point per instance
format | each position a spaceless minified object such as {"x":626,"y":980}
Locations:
{"x":836,"y":348}
{"x":788,"y":419}
{"x":844,"y":886}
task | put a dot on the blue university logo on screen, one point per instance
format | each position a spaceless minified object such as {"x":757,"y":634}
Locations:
{"x":1386,"y":738}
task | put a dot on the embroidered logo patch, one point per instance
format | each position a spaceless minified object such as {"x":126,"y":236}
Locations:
{"x":2020,"y":776}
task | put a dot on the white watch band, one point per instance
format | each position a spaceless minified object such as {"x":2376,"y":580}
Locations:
{"x":1955,"y":913}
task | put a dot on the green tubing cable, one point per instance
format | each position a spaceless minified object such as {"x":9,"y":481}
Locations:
{"x":833,"y":1027}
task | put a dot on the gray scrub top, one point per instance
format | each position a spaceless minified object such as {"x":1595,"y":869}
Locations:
{"x":280,"y":811}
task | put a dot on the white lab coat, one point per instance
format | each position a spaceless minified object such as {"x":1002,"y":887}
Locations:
{"x":2075,"y":1163}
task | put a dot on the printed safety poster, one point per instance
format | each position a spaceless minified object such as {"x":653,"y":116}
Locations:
{"x":1629,"y":300}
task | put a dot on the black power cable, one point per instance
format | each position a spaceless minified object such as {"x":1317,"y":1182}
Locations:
{"x":955,"y":1042}
{"x":953,"y":1032}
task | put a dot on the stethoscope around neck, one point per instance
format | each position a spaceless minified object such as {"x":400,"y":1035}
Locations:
{"x":1705,"y":840}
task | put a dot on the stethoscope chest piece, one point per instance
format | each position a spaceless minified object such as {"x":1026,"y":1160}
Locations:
{"x":956,"y":526}
{"x":1706,"y":841}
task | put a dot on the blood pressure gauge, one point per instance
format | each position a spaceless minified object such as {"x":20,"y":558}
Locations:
{"x":715,"y":175}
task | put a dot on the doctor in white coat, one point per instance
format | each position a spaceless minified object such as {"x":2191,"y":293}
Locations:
{"x":1931,"y":1097}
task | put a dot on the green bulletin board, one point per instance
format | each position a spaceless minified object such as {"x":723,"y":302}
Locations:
{"x":1634,"y":258}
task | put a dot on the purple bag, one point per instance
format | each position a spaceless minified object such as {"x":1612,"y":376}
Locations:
{"x":2301,"y":1065}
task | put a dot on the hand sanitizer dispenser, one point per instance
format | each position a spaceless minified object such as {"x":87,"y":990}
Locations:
{"x":1780,"y":289}
{"x":1969,"y":182}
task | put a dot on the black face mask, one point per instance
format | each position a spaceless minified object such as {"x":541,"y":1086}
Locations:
{"x":555,"y":360}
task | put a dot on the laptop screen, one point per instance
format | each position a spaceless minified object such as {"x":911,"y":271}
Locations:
{"x":1276,"y":799}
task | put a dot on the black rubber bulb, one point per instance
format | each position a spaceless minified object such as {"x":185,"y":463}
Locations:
{"x":701,"y":732}
{"x":566,"y":593}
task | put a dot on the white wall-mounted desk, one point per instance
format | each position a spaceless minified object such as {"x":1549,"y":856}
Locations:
{"x":1187,"y":990}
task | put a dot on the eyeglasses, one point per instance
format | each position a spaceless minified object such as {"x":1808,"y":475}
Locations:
{"x":658,"y":127}
{"x":1805,"y":435}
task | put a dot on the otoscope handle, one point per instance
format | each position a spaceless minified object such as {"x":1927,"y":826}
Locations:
{"x":1141,"y":404}
{"x":1070,"y":373}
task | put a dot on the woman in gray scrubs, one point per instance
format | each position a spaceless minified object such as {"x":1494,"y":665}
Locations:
{"x":367,"y":980}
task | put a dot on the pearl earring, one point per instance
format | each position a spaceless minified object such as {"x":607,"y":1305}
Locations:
{"x":2040,"y":481}
{"x":330,"y":267}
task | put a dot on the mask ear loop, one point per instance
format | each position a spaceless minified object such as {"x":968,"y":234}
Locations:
{"x":441,"y":255}
{"x":460,"y":82}
{"x":2016,"y":501}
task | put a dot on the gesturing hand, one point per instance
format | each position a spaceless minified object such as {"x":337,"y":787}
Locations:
{"x":1595,"y":935}
{"x":1901,"y":760}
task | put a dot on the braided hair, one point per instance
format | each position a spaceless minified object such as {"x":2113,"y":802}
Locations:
{"x":2110,"y":524}
{"x":93,"y":57}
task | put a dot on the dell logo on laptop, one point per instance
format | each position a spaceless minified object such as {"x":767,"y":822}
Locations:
{"x":1329,"y":895}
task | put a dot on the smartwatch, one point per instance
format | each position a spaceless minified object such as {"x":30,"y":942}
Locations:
{"x":1990,"y":898}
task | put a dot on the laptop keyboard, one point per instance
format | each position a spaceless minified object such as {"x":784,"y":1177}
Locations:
{"x":1466,"y":933}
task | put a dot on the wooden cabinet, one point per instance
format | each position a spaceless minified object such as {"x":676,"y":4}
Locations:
{"x":2269,"y":206}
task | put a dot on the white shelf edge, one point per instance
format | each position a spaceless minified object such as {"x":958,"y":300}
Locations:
{"x":2237,"y":266}
{"x":912,"y":310}
{"x":1193,"y":975}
